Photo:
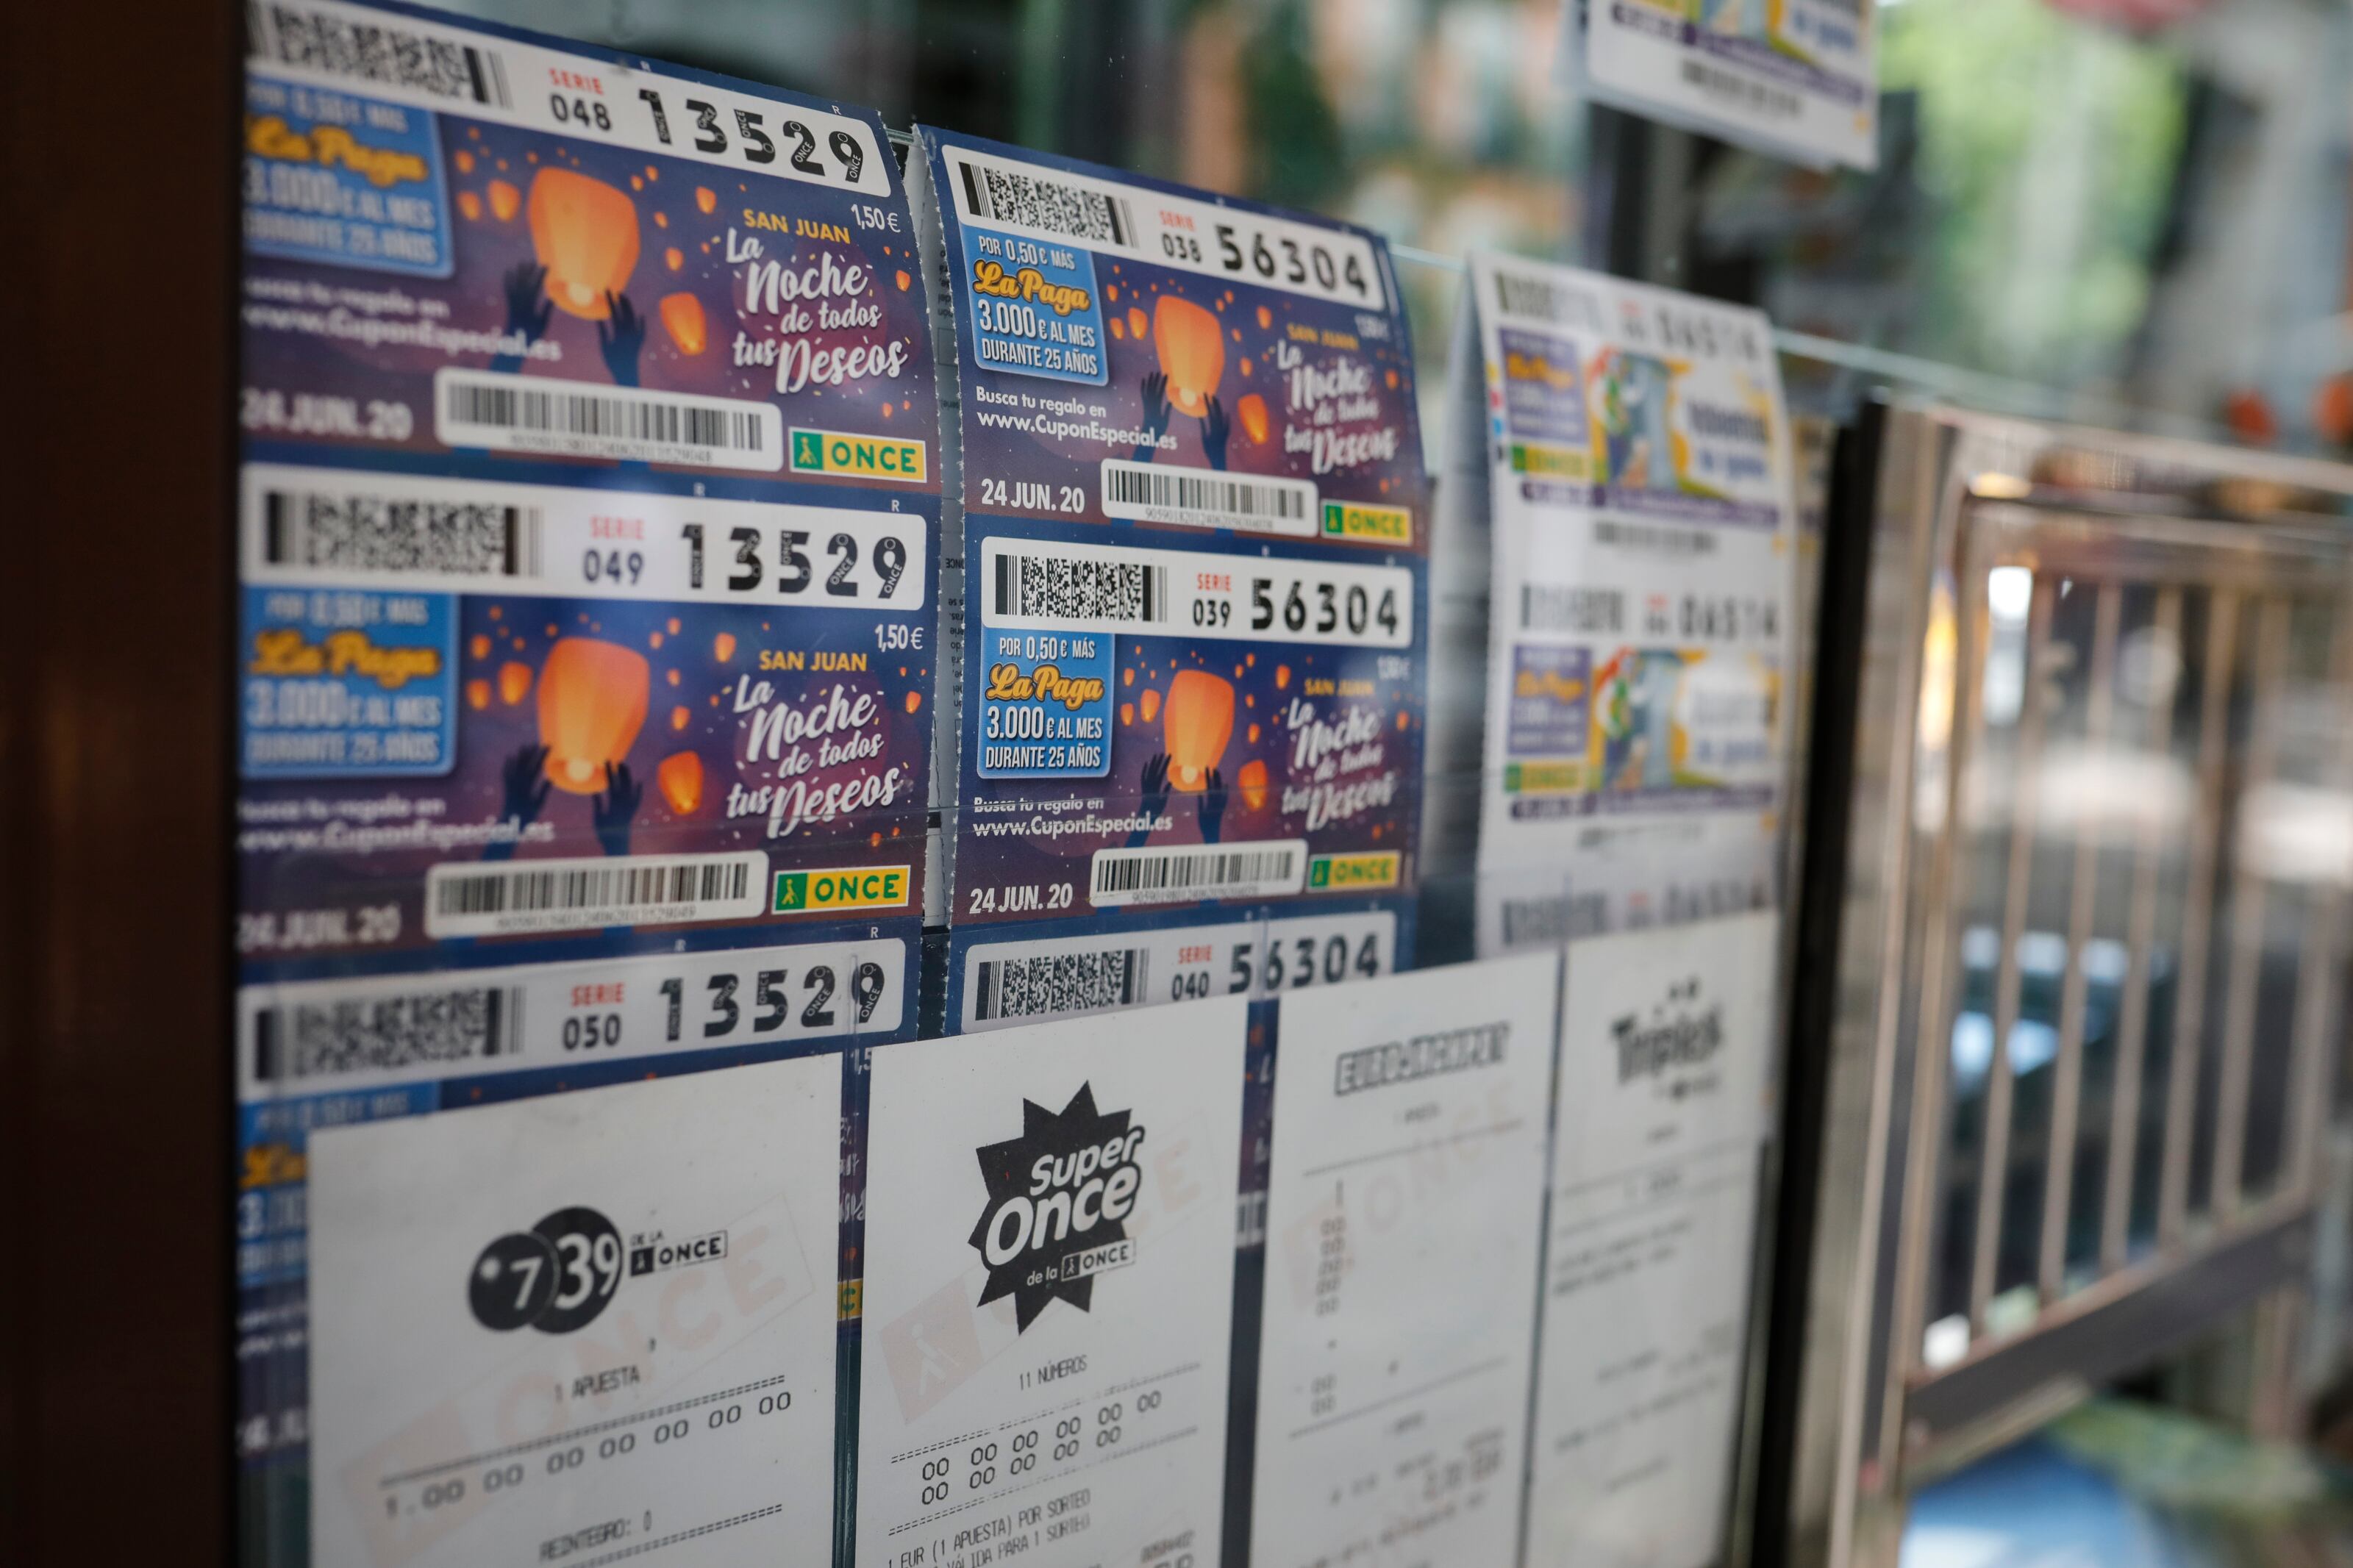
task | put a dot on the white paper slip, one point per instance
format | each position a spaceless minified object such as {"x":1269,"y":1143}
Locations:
{"x":1665,"y":1058}
{"x":586,"y":1328}
{"x":1404,"y":1219}
{"x":1048,"y":1293}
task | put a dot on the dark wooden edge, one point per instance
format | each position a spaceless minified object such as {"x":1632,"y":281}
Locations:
{"x":116,"y":619}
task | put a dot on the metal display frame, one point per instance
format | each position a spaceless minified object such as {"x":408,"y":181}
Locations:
{"x":1928,"y":500}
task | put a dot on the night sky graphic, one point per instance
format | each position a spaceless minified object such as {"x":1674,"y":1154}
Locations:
{"x":1005,"y":1168}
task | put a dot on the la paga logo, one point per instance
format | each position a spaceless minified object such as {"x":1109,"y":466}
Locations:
{"x":1674,"y":1044}
{"x":1058,"y":1198}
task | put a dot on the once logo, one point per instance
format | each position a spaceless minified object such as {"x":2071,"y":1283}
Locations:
{"x":1058,"y":1198}
{"x":556,"y":1277}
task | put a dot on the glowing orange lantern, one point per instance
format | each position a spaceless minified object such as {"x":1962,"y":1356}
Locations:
{"x":682,"y":314}
{"x":678,"y":718}
{"x":673,"y":258}
{"x":465,"y":162}
{"x":1253,"y":782}
{"x":706,"y":198}
{"x":1136,"y":322}
{"x":1151,"y":703}
{"x":1282,"y":676}
{"x":514,"y":681}
{"x":1253,"y":410}
{"x":1199,"y":721}
{"x":592,"y":702}
{"x":1265,"y":318}
{"x":470,"y":206}
{"x":1252,"y":736}
{"x":584,"y":233}
{"x":914,"y":700}
{"x":1126,"y":714}
{"x":722,"y":646}
{"x":480,"y":645}
{"x":1118,"y":328}
{"x":477,"y":694}
{"x":904,"y":281}
{"x":1192,"y":351}
{"x":504,"y":200}
{"x":680,"y":778}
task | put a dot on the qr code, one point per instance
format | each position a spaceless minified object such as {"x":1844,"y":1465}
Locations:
{"x":378,"y":533}
{"x":1007,"y":196}
{"x":1746,"y":92}
{"x":1589,"y":610}
{"x":370,"y":51}
{"x":1053,"y":983}
{"x":1654,"y":538}
{"x":323,"y":1040}
{"x":1086,"y":589}
{"x":1566,"y":918}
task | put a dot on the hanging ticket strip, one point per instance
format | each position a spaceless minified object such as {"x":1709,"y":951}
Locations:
{"x":1794,"y":79}
{"x":1638,"y":480}
{"x":589,"y":556}
{"x":1194,"y":525}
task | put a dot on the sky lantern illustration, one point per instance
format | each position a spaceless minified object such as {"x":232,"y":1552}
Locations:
{"x":722,"y":646}
{"x":514,"y":683}
{"x":1265,"y":318}
{"x":680,"y":778}
{"x":1253,"y":782}
{"x":584,"y":233}
{"x":477,"y":694}
{"x":464,"y":160}
{"x":470,"y":205}
{"x":505,"y":200}
{"x":1192,"y":351}
{"x":1137,"y":322}
{"x":1253,"y":410}
{"x":706,"y":198}
{"x":592,"y":702}
{"x":1151,"y":703}
{"x":682,"y":314}
{"x":1198,"y":723}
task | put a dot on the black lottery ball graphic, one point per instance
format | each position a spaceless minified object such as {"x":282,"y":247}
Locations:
{"x":587,"y":1252}
{"x":512,"y":1280}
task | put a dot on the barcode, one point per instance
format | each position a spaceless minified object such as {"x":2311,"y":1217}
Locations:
{"x":1653,"y":537}
{"x":319,"y":1039}
{"x":1595,"y":610}
{"x":1567,"y":917}
{"x":1087,"y":589}
{"x":536,"y":409}
{"x":523,"y":891}
{"x":1199,"y":874}
{"x":1058,"y":983}
{"x":1003,"y":196}
{"x":1545,"y":300}
{"x":1140,"y":490}
{"x":1745,"y":90}
{"x":373,"y":52}
{"x":361,"y":532}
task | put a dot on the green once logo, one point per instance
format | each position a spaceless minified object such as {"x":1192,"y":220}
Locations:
{"x":808,"y":450}
{"x":1319,"y":872}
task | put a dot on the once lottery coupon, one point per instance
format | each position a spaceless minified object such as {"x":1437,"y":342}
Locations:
{"x":1798,"y":79}
{"x":1665,"y":1056}
{"x":584,"y":1327}
{"x":1404,"y":1218}
{"x":1048,"y":1293}
{"x":1194,"y":525}
{"x":1640,"y":483}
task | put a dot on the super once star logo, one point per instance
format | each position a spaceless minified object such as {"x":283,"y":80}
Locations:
{"x":1058,"y":1198}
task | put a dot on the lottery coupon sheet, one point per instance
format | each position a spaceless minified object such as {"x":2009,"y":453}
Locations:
{"x":1665,"y":1058}
{"x":581,"y":1328}
{"x":1634,"y":767}
{"x":1194,"y":531}
{"x":1404,"y":1221}
{"x":1048,"y":1292}
{"x":1797,"y":79}
{"x":588,"y":531}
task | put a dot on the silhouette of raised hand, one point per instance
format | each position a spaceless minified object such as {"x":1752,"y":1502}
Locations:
{"x":1153,"y":798}
{"x":524,"y":780}
{"x":620,"y":338}
{"x":1214,"y":431}
{"x":1156,"y":416}
{"x":1211,"y":806}
{"x":613,"y":811}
